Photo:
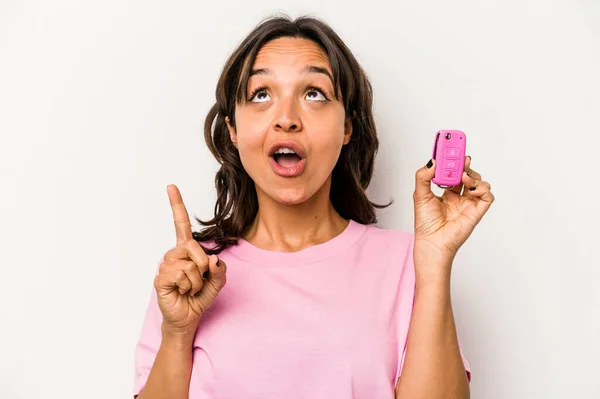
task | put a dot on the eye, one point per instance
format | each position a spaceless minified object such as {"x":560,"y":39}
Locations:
{"x":316,"y":94}
{"x":259,"y":95}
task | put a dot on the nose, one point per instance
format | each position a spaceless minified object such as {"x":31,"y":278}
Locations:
{"x":287,"y":118}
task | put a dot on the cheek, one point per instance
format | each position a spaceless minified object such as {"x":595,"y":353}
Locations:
{"x":251,"y":137}
{"x":327,"y":143}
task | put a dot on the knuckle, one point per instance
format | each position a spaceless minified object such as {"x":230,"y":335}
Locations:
{"x":163,"y":267}
{"x":179,"y":275}
{"x":191,"y":243}
{"x":189,"y":266}
{"x":170,"y":254}
{"x":203,"y":261}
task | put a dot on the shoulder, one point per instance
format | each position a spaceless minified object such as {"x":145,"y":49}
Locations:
{"x":398,"y":238}
{"x":395,"y":235}
{"x":392,"y":251}
{"x":390,"y":243}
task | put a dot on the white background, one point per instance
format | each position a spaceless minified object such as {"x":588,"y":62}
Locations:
{"x":102,"y":105}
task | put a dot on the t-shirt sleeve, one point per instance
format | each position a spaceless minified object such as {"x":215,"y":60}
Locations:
{"x":147,"y":344}
{"x":409,"y":276}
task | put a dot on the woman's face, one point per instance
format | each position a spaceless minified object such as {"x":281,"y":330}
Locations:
{"x":291,"y":129}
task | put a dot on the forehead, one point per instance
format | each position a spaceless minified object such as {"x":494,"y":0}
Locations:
{"x":290,"y":53}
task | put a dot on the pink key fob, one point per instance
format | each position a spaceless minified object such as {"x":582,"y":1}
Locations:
{"x":449,"y":152}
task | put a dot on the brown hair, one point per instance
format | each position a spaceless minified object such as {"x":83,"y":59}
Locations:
{"x":237,"y":203}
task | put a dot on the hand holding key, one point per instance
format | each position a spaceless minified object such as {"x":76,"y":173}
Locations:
{"x":188,"y":280}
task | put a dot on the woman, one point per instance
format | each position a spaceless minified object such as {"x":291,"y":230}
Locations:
{"x":294,"y":292}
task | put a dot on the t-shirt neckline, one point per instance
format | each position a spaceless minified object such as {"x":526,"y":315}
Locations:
{"x":251,"y":253}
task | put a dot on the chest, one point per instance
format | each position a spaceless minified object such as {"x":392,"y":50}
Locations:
{"x":274,"y":336}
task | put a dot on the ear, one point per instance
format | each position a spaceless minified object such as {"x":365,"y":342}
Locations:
{"x":232,"y":133}
{"x":348,"y":128}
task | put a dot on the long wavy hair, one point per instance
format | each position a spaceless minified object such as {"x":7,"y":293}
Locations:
{"x":237,"y":203}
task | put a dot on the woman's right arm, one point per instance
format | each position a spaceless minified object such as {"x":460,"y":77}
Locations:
{"x":170,"y":374}
{"x":187,"y":283}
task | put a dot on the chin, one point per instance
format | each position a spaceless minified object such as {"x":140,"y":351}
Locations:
{"x":290,"y":196}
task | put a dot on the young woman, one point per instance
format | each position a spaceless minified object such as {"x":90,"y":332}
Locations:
{"x":291,"y":291}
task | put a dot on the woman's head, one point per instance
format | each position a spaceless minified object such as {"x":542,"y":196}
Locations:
{"x":290,"y":85}
{"x":289,"y":105}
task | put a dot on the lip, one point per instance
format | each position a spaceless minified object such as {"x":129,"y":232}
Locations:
{"x":297,"y":148}
{"x":295,"y":170}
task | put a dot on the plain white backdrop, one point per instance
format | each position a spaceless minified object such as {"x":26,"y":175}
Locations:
{"x":102,"y":105}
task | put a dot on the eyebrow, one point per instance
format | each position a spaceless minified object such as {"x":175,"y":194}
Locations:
{"x":306,"y":70}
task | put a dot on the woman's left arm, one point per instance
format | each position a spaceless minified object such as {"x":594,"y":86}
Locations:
{"x":433,"y":367}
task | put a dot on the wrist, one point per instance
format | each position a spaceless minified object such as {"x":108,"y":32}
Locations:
{"x":177,"y":339}
{"x":433,"y":271}
{"x":433,"y":290}
{"x":432,"y":264}
{"x":429,"y":282}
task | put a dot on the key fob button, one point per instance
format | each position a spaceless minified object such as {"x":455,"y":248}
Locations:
{"x":449,"y":173}
{"x":451,"y":165}
{"x":452,"y":153}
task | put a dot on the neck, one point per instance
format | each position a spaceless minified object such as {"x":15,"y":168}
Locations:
{"x":290,"y":228}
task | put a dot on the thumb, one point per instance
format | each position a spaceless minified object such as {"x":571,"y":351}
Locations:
{"x":216,"y":281}
{"x":218,"y":272}
{"x":423,"y":178}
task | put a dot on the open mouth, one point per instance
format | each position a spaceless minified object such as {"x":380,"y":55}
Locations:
{"x":286,"y":157}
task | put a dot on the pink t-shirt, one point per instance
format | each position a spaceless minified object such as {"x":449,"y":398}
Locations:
{"x":329,"y":321}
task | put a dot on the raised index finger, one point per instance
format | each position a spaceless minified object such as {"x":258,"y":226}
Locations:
{"x":183,"y":227}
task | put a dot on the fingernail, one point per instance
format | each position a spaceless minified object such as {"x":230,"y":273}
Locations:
{"x":429,"y":164}
{"x":205,"y":274}
{"x":472,"y":188}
